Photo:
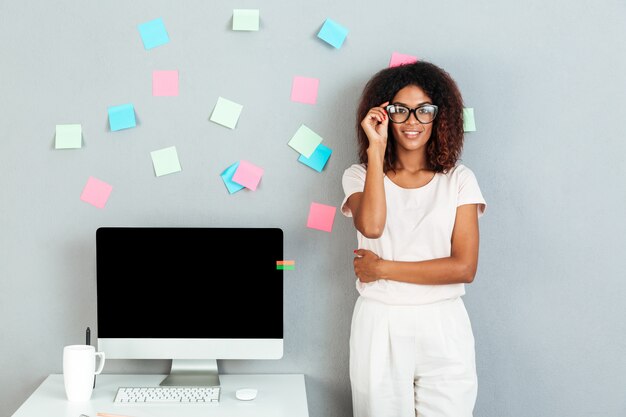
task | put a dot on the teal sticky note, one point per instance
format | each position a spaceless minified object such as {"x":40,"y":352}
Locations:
{"x":122,"y":117}
{"x":165,"y":161}
{"x":227,"y":177}
{"x":246,"y":19}
{"x":305,"y":141}
{"x":68,"y":137}
{"x":469,"y":124}
{"x":333,"y":33}
{"x":153,"y":33}
{"x":318,"y":158}
{"x":226,"y":112}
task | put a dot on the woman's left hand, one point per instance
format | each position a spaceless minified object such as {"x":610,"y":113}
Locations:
{"x":366,"y":265}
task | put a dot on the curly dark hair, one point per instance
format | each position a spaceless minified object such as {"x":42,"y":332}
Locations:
{"x":446,"y":142}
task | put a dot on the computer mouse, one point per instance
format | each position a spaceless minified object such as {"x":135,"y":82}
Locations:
{"x":246,"y":394}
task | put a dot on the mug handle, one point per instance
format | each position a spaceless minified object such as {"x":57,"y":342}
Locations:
{"x":101,"y":366}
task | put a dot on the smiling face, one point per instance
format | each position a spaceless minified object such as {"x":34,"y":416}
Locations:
{"x":411,"y":135}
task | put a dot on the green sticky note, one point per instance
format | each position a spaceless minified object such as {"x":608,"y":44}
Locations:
{"x":285,"y":267}
{"x":226,"y":112}
{"x":305,"y":141}
{"x":469,"y":124}
{"x":246,"y":19}
{"x":68,"y":137}
{"x":165,"y":161}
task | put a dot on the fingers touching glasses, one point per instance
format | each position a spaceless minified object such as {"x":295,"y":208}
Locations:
{"x":399,"y":113}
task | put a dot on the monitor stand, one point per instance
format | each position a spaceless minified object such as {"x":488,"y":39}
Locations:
{"x":193,"y":372}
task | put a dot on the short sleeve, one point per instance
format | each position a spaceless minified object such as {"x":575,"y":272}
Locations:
{"x":353,"y":181}
{"x":469,"y":191}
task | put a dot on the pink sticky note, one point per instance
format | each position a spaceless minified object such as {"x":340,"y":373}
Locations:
{"x":96,"y":192}
{"x":248,"y":175}
{"x":321,"y":217}
{"x":304,"y":89}
{"x":398,"y":59}
{"x":164,"y":83}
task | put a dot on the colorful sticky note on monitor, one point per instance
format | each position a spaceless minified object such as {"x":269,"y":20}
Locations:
{"x":321,"y":217}
{"x":469,"y":124}
{"x":245,"y":19}
{"x":165,"y":161}
{"x":304,"y":89}
{"x":68,"y":137}
{"x":286,"y":265}
{"x":122,"y":117}
{"x":96,"y":192}
{"x":227,"y":177}
{"x":164,"y":83}
{"x":333,"y":33}
{"x":398,"y":59}
{"x":226,"y":112}
{"x":305,"y":141}
{"x":318,"y":158}
{"x":248,"y":175}
{"x":153,"y":33}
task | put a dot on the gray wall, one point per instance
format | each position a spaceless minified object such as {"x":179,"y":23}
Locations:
{"x":546,"y":80}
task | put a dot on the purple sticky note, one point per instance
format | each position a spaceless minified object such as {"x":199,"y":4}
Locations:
{"x":304,"y":89}
{"x":398,"y":59}
{"x":248,"y":175}
{"x":164,"y":83}
{"x":321,"y":217}
{"x":96,"y":192}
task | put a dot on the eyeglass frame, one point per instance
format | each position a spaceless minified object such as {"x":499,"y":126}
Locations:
{"x":414,"y":111}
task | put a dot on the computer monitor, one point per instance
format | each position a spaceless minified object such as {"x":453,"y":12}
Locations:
{"x":194,"y":295}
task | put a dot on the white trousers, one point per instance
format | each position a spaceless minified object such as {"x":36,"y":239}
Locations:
{"x":408,"y":361}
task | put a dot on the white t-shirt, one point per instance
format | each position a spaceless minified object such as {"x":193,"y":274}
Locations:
{"x":418,"y":227}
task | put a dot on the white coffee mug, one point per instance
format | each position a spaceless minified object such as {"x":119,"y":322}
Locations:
{"x":79,"y":371}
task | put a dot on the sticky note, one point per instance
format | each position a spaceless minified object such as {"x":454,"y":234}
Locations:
{"x":122,"y":117}
{"x":469,"y":124}
{"x":398,"y":59}
{"x":164,"y":83}
{"x":321,"y":217}
{"x":153,"y":33}
{"x":333,"y":33}
{"x":96,"y":192}
{"x":227,"y":177}
{"x":246,"y":19}
{"x":226,"y":113}
{"x":68,"y":137}
{"x":305,"y":141}
{"x":285,"y":265}
{"x":304,"y":89}
{"x":165,"y":161}
{"x":248,"y":175}
{"x":318,"y":158}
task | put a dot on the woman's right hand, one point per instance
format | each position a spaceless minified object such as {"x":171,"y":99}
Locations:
{"x":375,"y":125}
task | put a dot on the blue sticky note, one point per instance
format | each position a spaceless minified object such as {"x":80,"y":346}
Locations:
{"x":333,"y":33}
{"x":153,"y":33}
{"x":318,"y":158}
{"x":122,"y":117}
{"x":227,"y":177}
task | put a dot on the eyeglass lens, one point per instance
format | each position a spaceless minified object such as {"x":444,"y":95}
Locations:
{"x":400,"y":114}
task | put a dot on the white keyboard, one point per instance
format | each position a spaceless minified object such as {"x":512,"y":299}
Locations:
{"x":167,"y":394}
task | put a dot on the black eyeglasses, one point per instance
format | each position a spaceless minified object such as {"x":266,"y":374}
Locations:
{"x":399,"y":113}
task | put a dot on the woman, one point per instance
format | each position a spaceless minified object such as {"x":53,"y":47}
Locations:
{"x":416,"y":212}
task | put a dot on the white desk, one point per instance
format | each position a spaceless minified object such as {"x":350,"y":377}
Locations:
{"x":279,"y":395}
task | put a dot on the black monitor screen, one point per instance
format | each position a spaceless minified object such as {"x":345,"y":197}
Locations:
{"x":189,"y":282}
